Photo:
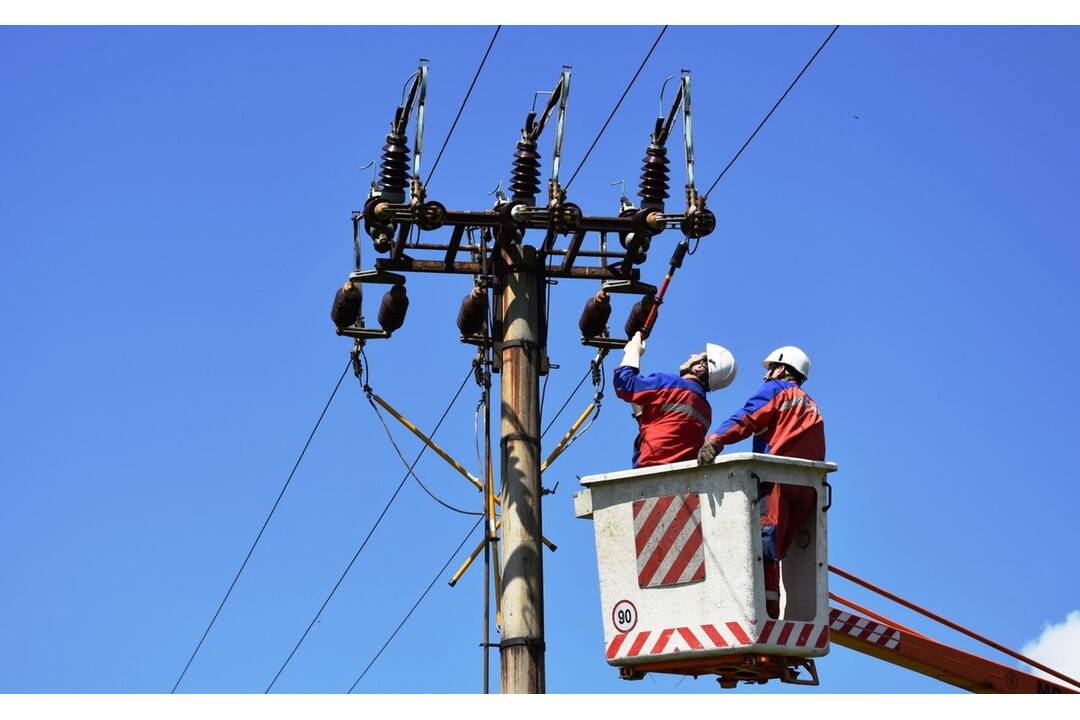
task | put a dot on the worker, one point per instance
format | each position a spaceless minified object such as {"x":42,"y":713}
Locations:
{"x":672,"y":412}
{"x":784,"y":420}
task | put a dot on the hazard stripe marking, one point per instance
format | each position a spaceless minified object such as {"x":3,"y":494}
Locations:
{"x":682,"y":516}
{"x":668,"y":540}
{"x":739,"y":633}
{"x":714,"y":635}
{"x":688,"y":552}
{"x":657,"y":508}
{"x":661,"y":642}
{"x":864,"y":629}
{"x":691,"y":639}
{"x":671,"y":640}
{"x":613,"y":649}
{"x":639,"y":642}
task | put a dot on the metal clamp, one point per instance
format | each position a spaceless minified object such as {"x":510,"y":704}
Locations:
{"x":512,"y":437}
{"x":828,"y":503}
{"x":531,"y":643}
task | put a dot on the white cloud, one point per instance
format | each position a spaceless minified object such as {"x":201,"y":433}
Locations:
{"x":1058,"y":647}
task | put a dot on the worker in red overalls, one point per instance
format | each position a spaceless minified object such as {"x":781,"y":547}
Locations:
{"x":784,"y":420}
{"x":672,"y":412}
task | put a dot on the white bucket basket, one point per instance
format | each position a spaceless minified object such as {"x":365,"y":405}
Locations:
{"x":679,"y":554}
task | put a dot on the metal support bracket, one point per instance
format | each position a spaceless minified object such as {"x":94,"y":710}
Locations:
{"x":376,"y":277}
{"x":514,"y":437}
{"x":605,"y":343}
{"x":631,"y":287}
{"x":532,"y":643}
{"x":790,"y":674}
{"x":363,"y":333}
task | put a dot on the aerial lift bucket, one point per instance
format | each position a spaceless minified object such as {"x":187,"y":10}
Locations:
{"x":681,"y":579}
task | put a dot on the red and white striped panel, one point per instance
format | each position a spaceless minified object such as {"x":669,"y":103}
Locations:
{"x":668,"y":541}
{"x":864,"y":629}
{"x":716,"y":636}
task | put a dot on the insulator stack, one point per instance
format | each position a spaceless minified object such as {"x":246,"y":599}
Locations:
{"x":525,"y":177}
{"x":654,"y":177}
{"x":638,"y":315}
{"x":473,"y":313}
{"x":392,"y":309}
{"x":394,"y":170}
{"x":594,"y":317}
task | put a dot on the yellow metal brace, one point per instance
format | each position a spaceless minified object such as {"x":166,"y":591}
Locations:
{"x":566,"y":438}
{"x":430,"y":443}
{"x":493,"y":524}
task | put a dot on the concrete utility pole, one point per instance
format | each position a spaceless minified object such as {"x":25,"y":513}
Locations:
{"x":522,"y":646}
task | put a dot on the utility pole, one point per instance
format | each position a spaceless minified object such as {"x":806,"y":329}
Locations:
{"x":522,"y":647}
{"x":515,"y":273}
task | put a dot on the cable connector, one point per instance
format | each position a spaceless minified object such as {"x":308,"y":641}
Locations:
{"x":357,"y":365}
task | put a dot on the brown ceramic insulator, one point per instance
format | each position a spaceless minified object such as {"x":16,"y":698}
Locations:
{"x":394,"y":168}
{"x":638,"y":314}
{"x":654,"y":177}
{"x":392,"y":309}
{"x":594,"y":317}
{"x":525,"y":177}
{"x":473,"y":313}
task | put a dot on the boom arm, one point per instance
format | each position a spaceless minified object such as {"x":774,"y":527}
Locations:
{"x":932,"y":658}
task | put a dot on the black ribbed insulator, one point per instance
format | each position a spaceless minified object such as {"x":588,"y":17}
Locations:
{"x":638,"y":315}
{"x":654,"y":177}
{"x":392,"y":309}
{"x":595,"y":316}
{"x":525,"y":177}
{"x":473,"y":313}
{"x":394,"y":169}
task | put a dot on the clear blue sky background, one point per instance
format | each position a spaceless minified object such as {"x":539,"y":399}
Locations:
{"x":175,"y":203}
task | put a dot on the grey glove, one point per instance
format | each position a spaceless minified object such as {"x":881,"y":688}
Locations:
{"x":708,"y":453}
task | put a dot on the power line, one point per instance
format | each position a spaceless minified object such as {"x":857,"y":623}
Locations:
{"x":462,"y":108}
{"x":368,"y":536}
{"x":567,"y":402}
{"x":416,"y":604}
{"x":769,"y":114}
{"x":259,"y":536}
{"x":409,"y":469}
{"x":627,"y":90}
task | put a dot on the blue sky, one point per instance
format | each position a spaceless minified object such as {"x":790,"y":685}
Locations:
{"x":175,"y":208}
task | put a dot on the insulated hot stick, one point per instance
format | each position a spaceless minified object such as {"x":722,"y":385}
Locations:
{"x":676,"y":262}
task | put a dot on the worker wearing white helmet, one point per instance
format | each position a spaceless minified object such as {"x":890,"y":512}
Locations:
{"x":783,"y":420}
{"x":672,"y":412}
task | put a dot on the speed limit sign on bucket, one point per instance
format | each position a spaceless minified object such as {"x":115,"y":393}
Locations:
{"x":624,"y":616}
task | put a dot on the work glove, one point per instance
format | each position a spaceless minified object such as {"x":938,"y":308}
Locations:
{"x":708,"y":452}
{"x":632,"y":352}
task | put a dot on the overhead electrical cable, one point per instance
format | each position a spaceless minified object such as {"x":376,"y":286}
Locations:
{"x":409,"y":470}
{"x":613,"y":111}
{"x":262,"y":529}
{"x":462,"y":108}
{"x":567,"y":402}
{"x":416,"y":604}
{"x":771,"y":111}
{"x":368,"y":536}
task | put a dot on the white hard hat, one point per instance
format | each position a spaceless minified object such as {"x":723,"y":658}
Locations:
{"x":721,"y":366}
{"x":791,"y":356}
